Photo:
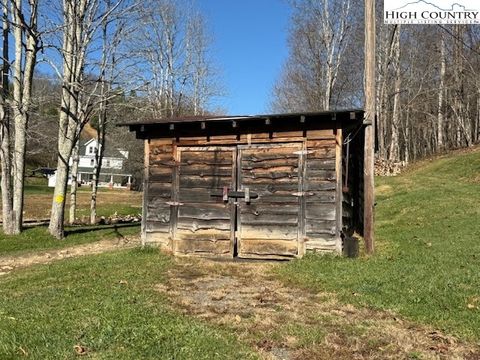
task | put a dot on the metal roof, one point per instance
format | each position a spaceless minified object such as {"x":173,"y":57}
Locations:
{"x":351,"y":113}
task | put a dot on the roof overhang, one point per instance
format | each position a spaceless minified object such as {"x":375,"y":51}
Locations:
{"x":220,"y":125}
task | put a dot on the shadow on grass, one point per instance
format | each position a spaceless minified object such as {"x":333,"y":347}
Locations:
{"x":93,"y":228}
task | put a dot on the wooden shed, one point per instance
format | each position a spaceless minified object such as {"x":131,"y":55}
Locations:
{"x":263,"y":186}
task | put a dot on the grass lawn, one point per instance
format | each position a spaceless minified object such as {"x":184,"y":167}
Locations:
{"x":105,"y":306}
{"x":427,"y":265}
{"x":38,"y":239}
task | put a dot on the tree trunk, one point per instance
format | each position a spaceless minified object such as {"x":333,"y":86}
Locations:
{"x":5,"y":159}
{"x":74,"y":185}
{"x":57,"y":216}
{"x":394,"y":145}
{"x":73,"y":52}
{"x":22,"y":91}
{"x":441,"y":94}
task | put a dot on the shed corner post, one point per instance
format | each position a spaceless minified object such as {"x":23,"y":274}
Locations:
{"x":369,"y":122}
{"x":339,"y":186}
{"x":146,"y":164}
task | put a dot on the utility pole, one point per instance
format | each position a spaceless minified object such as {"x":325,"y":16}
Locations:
{"x":369,"y":123}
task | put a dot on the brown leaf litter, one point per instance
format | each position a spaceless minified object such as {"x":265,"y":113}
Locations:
{"x":284,"y":322}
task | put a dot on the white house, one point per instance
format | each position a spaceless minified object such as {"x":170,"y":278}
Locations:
{"x":112,"y":173}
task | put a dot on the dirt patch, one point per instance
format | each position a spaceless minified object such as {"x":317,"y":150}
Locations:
{"x":38,"y":206}
{"x":288,"y":323}
{"x":11,"y":263}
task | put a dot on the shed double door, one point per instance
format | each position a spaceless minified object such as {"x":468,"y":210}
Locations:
{"x":239,"y":201}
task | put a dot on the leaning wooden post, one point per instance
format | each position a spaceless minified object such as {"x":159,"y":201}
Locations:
{"x":369,"y":121}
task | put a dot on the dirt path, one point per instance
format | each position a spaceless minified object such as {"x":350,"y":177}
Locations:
{"x":288,"y":323}
{"x":11,"y":263}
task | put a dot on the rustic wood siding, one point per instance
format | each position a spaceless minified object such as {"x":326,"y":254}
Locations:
{"x":204,"y":222}
{"x":297,"y":176}
{"x":159,"y":192}
{"x":269,"y":225}
{"x":321,"y":222}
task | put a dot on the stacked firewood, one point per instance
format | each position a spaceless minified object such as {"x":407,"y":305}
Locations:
{"x":119,"y":219}
{"x":385,"y":167}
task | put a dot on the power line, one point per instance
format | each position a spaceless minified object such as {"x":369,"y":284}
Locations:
{"x":457,"y":38}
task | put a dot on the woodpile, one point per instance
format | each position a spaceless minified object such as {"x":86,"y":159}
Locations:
{"x":119,"y":219}
{"x":385,"y":167}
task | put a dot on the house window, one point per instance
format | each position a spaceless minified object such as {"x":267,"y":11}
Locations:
{"x":90,"y":149}
{"x":107,"y":163}
{"x":92,"y":162}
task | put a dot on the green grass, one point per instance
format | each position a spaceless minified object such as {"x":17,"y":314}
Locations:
{"x":110,"y":209}
{"x":107,"y":305}
{"x":427,"y":265}
{"x":38,"y":239}
{"x":35,"y":189}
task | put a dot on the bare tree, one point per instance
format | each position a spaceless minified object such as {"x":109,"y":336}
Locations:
{"x":81,"y":21}
{"x":394,"y":143}
{"x":441,"y":94}
{"x":25,"y":32}
{"x":5,"y":153}
{"x":318,"y":41}
{"x":174,"y":69}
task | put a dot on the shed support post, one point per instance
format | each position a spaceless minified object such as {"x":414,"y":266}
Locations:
{"x":369,"y":160}
{"x":145,"y":192}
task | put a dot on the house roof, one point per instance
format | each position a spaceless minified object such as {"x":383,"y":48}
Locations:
{"x":199,"y":125}
{"x":110,"y":151}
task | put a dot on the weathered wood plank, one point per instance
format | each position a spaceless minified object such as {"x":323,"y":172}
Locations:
{"x":273,"y":187}
{"x":326,"y":134}
{"x":266,"y":208}
{"x":271,"y":175}
{"x":267,"y":157}
{"x":157,"y":226}
{"x":269,"y":163}
{"x":321,"y":175}
{"x":203,"y":170}
{"x":317,"y":144}
{"x":277,"y":232}
{"x":321,"y":211}
{"x":286,"y":199}
{"x":158,"y":214}
{"x":161,"y":142}
{"x":320,"y":244}
{"x":319,"y":197}
{"x":207,"y":182}
{"x":193,"y":225}
{"x":314,"y":226}
{"x":321,"y":164}
{"x":262,"y":248}
{"x":261,"y":181}
{"x":211,"y":235}
{"x":204,"y":211}
{"x":161,"y":178}
{"x":159,"y":190}
{"x":217,"y":158}
{"x":203,"y":247}
{"x":269,"y":219}
{"x":160,"y":170}
{"x":199,"y":195}
{"x":320,"y":185}
{"x":161,"y":150}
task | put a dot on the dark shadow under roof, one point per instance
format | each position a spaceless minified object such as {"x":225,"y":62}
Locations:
{"x":190,"y":126}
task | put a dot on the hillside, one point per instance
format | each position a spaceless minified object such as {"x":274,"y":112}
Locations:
{"x":428,"y":249}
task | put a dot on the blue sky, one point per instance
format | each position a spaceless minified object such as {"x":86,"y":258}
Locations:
{"x":250,"y":46}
